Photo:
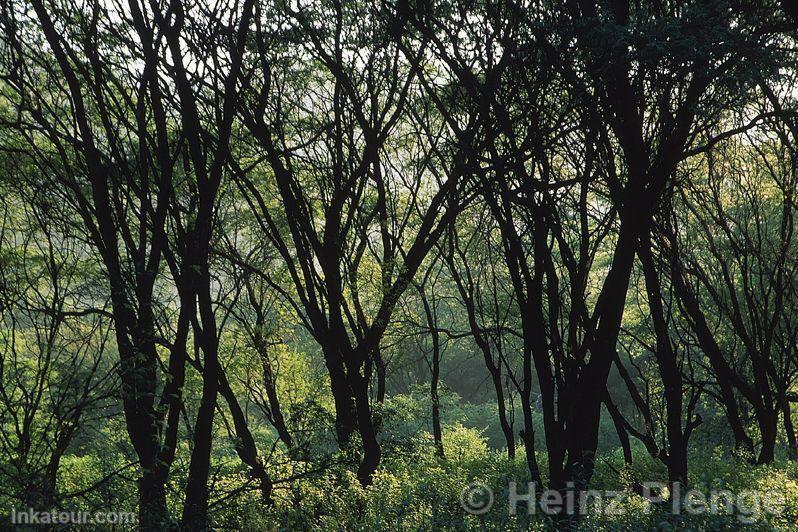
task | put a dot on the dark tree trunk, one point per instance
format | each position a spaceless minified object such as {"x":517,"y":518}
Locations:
{"x":245,"y":443}
{"x":134,"y":335}
{"x":368,"y":435}
{"x":768,"y":420}
{"x":466,"y":289}
{"x":528,"y":439}
{"x":195,"y":509}
{"x":208,"y":176}
{"x":724,"y":374}
{"x":582,"y":424}
{"x":349,"y":376}
{"x":789,"y":429}
{"x":345,"y":412}
{"x":668,"y":369}
{"x":153,"y":513}
{"x":504,"y":422}
{"x":437,"y":433}
{"x":430,"y":313}
{"x":379,"y":362}
{"x":270,"y":384}
{"x":620,"y":429}
{"x":277,"y":419}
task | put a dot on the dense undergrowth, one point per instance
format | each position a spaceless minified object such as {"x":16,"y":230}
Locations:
{"x":415,"y":489}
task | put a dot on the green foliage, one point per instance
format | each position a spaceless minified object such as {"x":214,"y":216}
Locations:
{"x":415,"y":489}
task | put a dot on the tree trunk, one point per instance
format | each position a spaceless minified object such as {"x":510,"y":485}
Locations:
{"x":368,"y":436}
{"x":507,"y":428}
{"x":723,"y":373}
{"x":767,"y":419}
{"x":345,"y":412}
{"x":528,"y":439}
{"x":381,"y":371}
{"x":668,"y":369}
{"x":789,"y":429}
{"x":437,"y":433}
{"x":153,"y":513}
{"x":620,"y":429}
{"x":276,"y":412}
{"x":245,"y":443}
{"x":582,"y":426}
{"x":195,"y":509}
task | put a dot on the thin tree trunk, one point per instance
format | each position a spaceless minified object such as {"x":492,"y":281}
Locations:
{"x":195,"y":509}
{"x":437,"y":434}
{"x":379,"y":362}
{"x":723,"y":373}
{"x":269,"y":383}
{"x":668,"y":370}
{"x":528,"y":439}
{"x":789,"y":429}
{"x":245,"y":443}
{"x":623,"y":434}
{"x":436,"y":371}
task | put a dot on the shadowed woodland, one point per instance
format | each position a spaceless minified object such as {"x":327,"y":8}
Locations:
{"x":319,"y":265}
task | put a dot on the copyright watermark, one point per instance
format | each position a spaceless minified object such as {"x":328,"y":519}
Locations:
{"x":30,"y":516}
{"x":478,"y":498}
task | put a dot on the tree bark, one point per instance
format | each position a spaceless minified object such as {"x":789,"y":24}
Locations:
{"x":368,"y":435}
{"x":768,"y":421}
{"x":668,"y":369}
{"x":789,"y":429}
